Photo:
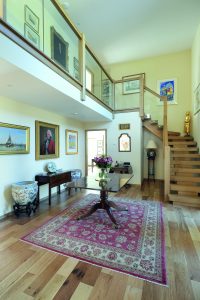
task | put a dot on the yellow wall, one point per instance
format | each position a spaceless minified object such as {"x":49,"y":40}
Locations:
{"x":196,"y":83}
{"x":1,"y":8}
{"x":176,"y":65}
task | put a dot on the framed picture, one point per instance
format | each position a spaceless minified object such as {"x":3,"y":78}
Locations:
{"x":15,"y":139}
{"x":31,"y":36}
{"x":106,"y":88}
{"x":197,"y":99}
{"x":167,"y":87}
{"x":124,"y":126}
{"x":31,"y":19}
{"x":76,"y":69}
{"x":59,"y":49}
{"x":46,"y":140}
{"x":124,"y":143}
{"x":131,"y":83}
{"x":71,"y":142}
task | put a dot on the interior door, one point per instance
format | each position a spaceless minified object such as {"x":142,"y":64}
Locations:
{"x":96,"y":145}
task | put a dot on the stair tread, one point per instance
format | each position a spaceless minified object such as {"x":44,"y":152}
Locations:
{"x":185,"y":200}
{"x":190,"y":149}
{"x":182,"y":143}
{"x":184,"y":138}
{"x":185,"y":162}
{"x":184,"y":178}
{"x":186,"y":155}
{"x":186,"y":170}
{"x":184,"y":188}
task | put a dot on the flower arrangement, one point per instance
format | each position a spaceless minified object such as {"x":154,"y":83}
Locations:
{"x":103,"y":161}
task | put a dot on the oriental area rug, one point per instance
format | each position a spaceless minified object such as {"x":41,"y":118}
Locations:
{"x":136,"y":248}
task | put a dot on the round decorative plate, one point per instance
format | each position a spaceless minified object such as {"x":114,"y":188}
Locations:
{"x":51,"y":167}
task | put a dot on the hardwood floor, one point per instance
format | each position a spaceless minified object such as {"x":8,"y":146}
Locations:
{"x":28,"y":272}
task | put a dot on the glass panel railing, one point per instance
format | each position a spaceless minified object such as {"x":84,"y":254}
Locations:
{"x":44,"y":27}
{"x":127,"y":96}
{"x":107,"y":92}
{"x":61,"y":43}
{"x":94,"y":69}
{"x":153,"y":107}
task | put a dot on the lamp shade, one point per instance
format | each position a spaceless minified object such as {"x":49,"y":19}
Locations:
{"x":151,"y":145}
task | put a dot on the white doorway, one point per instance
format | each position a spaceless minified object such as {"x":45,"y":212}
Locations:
{"x":95,"y":146}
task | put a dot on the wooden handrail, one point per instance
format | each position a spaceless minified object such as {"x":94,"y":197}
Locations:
{"x":152,"y":92}
{"x":142,"y":97}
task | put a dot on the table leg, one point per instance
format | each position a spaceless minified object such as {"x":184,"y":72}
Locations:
{"x":49,"y":195}
{"x":58,"y":189}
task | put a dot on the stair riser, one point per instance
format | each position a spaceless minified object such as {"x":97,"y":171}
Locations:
{"x":182,"y":188}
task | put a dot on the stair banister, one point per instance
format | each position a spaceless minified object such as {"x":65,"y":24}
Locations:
{"x":166,"y":150}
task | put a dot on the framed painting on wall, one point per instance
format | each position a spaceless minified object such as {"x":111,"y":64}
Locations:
{"x":46,"y":140}
{"x":124,"y":142}
{"x":167,"y":87}
{"x":59,"y":49}
{"x":71,"y":142}
{"x":197,"y":99}
{"x":15,"y":139}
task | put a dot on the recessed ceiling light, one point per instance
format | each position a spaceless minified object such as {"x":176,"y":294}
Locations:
{"x":75,"y":113}
{"x":65,"y":4}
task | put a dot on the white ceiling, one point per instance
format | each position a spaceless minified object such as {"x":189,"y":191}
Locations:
{"x":119,"y":31}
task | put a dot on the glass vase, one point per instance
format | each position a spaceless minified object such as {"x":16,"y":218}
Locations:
{"x":103,"y":174}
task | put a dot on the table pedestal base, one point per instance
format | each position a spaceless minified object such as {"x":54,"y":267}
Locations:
{"x":104,"y":204}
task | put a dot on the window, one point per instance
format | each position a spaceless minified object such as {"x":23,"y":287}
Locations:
{"x":89,"y":80}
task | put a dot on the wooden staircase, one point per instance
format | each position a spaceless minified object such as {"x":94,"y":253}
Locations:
{"x":185,"y":171}
{"x":184,"y":166}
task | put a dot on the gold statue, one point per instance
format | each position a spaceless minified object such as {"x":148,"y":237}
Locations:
{"x":187,"y":123}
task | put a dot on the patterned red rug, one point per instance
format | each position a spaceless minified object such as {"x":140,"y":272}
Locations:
{"x":137,"y":248}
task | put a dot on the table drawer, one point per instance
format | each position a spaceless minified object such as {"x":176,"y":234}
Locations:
{"x":60,"y":178}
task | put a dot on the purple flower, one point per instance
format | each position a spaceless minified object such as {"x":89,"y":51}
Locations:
{"x":103,"y":161}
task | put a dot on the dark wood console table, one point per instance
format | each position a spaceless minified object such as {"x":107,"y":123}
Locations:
{"x":121,"y":169}
{"x":53,"y":179}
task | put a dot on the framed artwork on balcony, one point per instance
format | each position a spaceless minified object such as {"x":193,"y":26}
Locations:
{"x":76,"y":69}
{"x":59,"y":49}
{"x":31,"y":19}
{"x":31,"y":36}
{"x":167,"y":87}
{"x":15,"y":139}
{"x":106,"y":88}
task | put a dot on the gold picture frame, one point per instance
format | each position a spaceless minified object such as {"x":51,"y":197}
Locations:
{"x":46,"y":140}
{"x":71,"y":141}
{"x":15,"y":139}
